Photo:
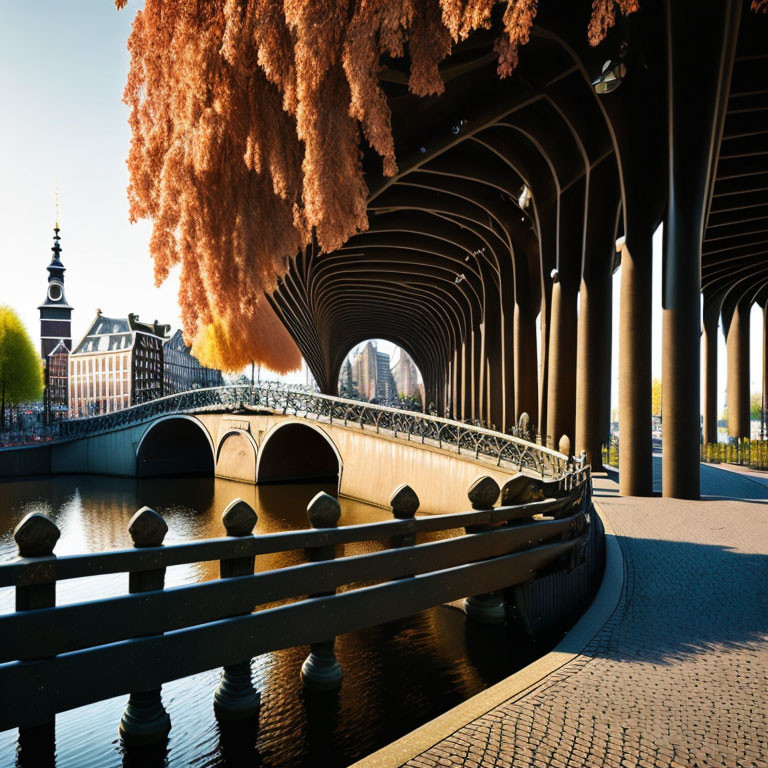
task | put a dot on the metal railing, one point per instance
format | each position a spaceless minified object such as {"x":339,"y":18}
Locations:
{"x":745,"y":452}
{"x":54,"y":658}
{"x":466,"y":439}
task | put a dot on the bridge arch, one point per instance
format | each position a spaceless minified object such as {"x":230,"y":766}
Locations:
{"x":236,"y":456}
{"x":175,"y":445}
{"x":296,"y":451}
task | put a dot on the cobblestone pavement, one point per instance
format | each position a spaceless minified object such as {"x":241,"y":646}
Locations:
{"x":679,"y":674}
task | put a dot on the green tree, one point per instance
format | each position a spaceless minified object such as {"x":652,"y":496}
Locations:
{"x":755,"y":406}
{"x":21,"y":372}
{"x":656,"y":397}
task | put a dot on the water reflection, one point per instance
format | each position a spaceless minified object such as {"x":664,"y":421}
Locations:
{"x":396,"y":676}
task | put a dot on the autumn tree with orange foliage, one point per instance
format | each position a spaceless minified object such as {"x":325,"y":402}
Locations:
{"x":246,"y":120}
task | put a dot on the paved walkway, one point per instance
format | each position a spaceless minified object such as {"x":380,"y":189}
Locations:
{"x":679,"y":674}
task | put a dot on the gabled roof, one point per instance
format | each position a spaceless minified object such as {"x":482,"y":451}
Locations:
{"x":116,"y":334}
{"x":60,"y":347}
{"x":177,"y":342}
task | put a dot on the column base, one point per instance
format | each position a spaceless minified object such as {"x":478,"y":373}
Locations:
{"x":235,"y":697}
{"x":145,"y":720}
{"x":487,"y":609}
{"x":320,"y":671}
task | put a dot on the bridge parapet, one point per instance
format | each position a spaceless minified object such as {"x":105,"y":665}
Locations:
{"x":468,"y":440}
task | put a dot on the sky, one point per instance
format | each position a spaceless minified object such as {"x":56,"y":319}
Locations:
{"x":63,"y":66}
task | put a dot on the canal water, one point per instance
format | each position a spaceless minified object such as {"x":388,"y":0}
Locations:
{"x":397,"y":676}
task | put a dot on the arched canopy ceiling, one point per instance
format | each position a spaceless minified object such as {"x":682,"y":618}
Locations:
{"x":449,"y":244}
{"x":735,"y":248}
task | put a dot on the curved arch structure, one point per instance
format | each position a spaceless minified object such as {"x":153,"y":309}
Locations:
{"x":505,"y":213}
{"x":236,"y":457}
{"x":294,"y":452}
{"x":175,"y":445}
{"x":456,"y":265}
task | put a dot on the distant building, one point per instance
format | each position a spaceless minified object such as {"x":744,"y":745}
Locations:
{"x":57,"y":380}
{"x":374,"y":379}
{"x":182,"y":371}
{"x":55,"y":331}
{"x":309,"y":379}
{"x":406,"y":376}
{"x":347,"y":382}
{"x":118,"y":363}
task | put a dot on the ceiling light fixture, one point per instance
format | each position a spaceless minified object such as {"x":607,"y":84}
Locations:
{"x":525,"y":197}
{"x":613,"y":73}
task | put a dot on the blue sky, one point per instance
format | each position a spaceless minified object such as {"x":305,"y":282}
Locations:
{"x":63,"y":65}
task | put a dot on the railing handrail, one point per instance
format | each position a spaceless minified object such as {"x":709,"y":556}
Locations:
{"x":169,"y":609}
{"x":30,"y":571}
{"x":166,"y":398}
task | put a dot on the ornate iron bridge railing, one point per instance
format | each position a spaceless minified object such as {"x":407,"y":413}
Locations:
{"x":466,"y":439}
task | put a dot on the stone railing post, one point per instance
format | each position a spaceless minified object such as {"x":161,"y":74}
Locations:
{"x":564,"y":446}
{"x":145,"y":721}
{"x":404,"y":504}
{"x":235,"y":697}
{"x":487,"y":608}
{"x":321,"y":671}
{"x":36,"y":536}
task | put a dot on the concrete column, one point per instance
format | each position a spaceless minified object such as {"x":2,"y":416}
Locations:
{"x":700,"y":50}
{"x":709,"y":336}
{"x":494,"y":356}
{"x":474,"y":367}
{"x":455,"y":397}
{"x":737,"y":345}
{"x":561,"y":381}
{"x":593,"y":357}
{"x":606,"y":415}
{"x":764,"y":415}
{"x":466,"y":380}
{"x":561,"y":389}
{"x":546,"y":306}
{"x":635,"y":467}
{"x":526,"y":380}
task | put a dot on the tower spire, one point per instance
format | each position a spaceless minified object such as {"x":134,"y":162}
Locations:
{"x":56,"y":247}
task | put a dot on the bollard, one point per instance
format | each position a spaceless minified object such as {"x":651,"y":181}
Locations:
{"x":36,"y":536}
{"x":489,"y":607}
{"x":521,"y":489}
{"x":404,"y":503}
{"x":320,"y":670}
{"x":145,"y":721}
{"x":236,"y":698}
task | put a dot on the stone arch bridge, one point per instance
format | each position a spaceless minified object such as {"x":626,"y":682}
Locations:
{"x":268,"y":434}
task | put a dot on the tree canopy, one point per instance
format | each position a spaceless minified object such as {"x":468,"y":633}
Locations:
{"x":21,"y":372}
{"x":247,"y":118}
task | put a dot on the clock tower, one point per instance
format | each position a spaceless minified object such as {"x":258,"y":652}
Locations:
{"x":55,"y":313}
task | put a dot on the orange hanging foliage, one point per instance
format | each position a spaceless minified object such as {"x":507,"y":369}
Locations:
{"x":604,"y":17}
{"x":246,"y":120}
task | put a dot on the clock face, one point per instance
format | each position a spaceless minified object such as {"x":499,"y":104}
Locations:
{"x":55,"y":291}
